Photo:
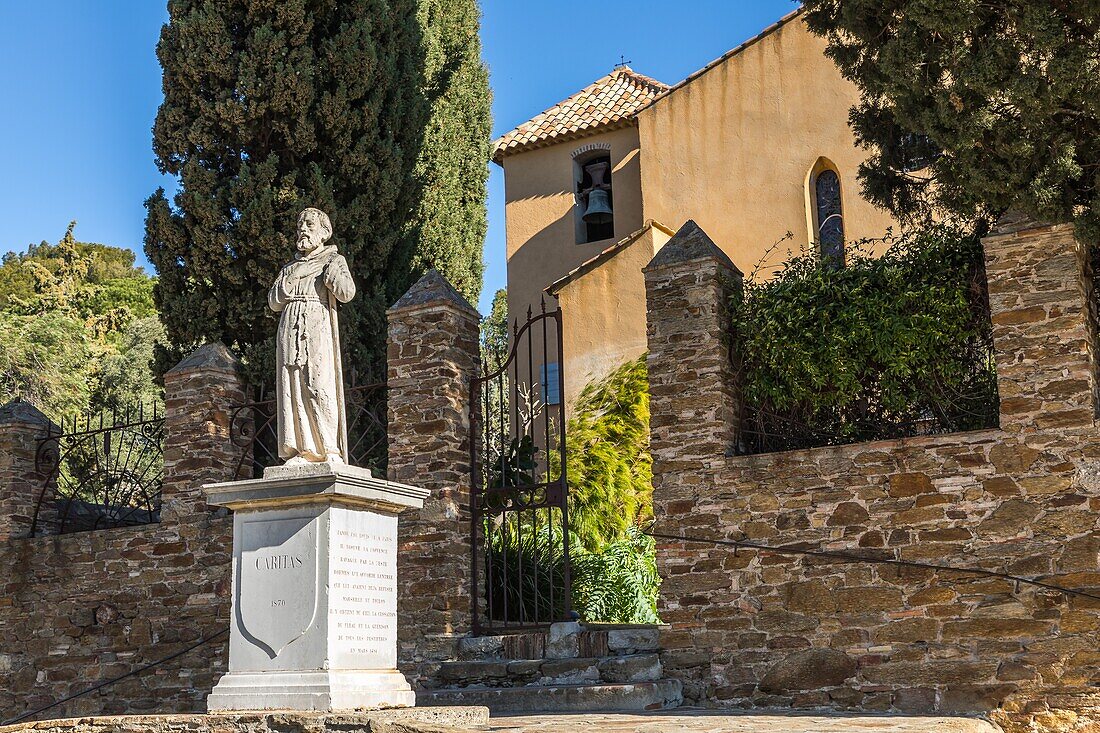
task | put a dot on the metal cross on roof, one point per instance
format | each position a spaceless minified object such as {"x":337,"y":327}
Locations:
{"x":622,"y":62}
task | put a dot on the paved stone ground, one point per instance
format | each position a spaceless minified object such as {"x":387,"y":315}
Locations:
{"x":709,"y":721}
{"x":472,"y":720}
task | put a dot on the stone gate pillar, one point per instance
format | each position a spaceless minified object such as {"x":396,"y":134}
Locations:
{"x":432,"y":354}
{"x":199,"y":394}
{"x":693,"y":393}
{"x":1040,"y":302}
{"x":694,"y":397}
{"x":21,"y":425}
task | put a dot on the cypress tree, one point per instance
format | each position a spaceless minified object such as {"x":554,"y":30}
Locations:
{"x":970,"y":108}
{"x":452,"y":166}
{"x":349,"y":106}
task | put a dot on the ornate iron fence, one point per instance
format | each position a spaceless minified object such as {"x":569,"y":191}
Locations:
{"x":519,"y":501}
{"x":99,"y":474}
{"x":763,"y":430}
{"x":253,"y":428}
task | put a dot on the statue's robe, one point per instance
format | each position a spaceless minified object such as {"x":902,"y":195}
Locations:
{"x":309,"y":386}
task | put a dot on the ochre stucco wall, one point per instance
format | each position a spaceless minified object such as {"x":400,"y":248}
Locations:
{"x":538,"y":194}
{"x":603,"y":314}
{"x":541,"y":233}
{"x":733,"y":148}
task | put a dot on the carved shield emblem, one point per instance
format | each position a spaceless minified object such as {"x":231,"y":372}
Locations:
{"x":276,"y":580}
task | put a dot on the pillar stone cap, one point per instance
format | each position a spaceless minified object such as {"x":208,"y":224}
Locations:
{"x":208,"y":356}
{"x":21,"y":411}
{"x":433,"y":288}
{"x":1015,"y":220}
{"x":689,"y":243}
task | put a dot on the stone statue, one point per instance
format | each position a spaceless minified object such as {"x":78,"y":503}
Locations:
{"x":309,"y":379}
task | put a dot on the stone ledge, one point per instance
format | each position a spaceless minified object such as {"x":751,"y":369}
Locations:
{"x":410,"y":720}
{"x":846,"y":451}
{"x":688,"y":244}
{"x":19,"y":411}
{"x":213,"y":356}
{"x":316,"y":483}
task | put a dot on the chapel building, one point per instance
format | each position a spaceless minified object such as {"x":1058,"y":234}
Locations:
{"x":752,"y":146}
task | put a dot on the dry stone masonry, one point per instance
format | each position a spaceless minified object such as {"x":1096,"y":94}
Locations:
{"x":745,"y":628}
{"x":571,"y":667}
{"x":79,"y":609}
{"x":21,"y":425}
{"x":432,"y":353}
{"x":751,"y":628}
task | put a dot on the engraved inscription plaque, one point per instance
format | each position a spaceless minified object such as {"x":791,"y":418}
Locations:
{"x":277,"y":577}
{"x":363,"y":592}
{"x":314,"y":591}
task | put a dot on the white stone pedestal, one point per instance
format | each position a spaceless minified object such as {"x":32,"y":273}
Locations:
{"x":314,"y":623}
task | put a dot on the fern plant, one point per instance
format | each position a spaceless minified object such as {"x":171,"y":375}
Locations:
{"x":525,"y":569}
{"x":619,"y":583}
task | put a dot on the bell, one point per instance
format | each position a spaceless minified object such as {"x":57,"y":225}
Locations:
{"x":597,"y":171}
{"x":599,"y":207}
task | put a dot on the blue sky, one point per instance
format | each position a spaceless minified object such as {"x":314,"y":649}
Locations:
{"x":82,"y":87}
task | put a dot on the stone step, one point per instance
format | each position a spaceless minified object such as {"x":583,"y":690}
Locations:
{"x":526,"y":672}
{"x":687,"y":720}
{"x":595,"y":698}
{"x":563,"y":640}
{"x":503,"y":646}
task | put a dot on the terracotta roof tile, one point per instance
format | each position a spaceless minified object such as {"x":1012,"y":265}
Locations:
{"x":608,"y":100}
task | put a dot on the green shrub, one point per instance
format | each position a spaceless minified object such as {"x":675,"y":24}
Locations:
{"x":618,"y":584}
{"x":882,"y":347}
{"x":609,"y":469}
{"x":609,"y":473}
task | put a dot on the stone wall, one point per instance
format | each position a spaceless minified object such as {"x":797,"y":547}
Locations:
{"x":83,"y":608}
{"x":79,"y":609}
{"x":753,"y":628}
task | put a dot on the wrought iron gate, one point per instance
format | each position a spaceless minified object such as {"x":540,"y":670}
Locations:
{"x":519,"y":497}
{"x":100,"y":474}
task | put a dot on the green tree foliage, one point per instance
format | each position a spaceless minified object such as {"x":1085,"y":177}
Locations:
{"x":44,"y":359}
{"x":1000,"y":99}
{"x":849,"y":353}
{"x":494,"y":331}
{"x":451,"y":165}
{"x":375,"y":111}
{"x":125,"y":373}
{"x":493,"y":402}
{"x":608,"y":465}
{"x":81,"y":279}
{"x":77,"y":326}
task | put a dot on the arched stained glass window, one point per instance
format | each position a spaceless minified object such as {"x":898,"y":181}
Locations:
{"x":830,"y":218}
